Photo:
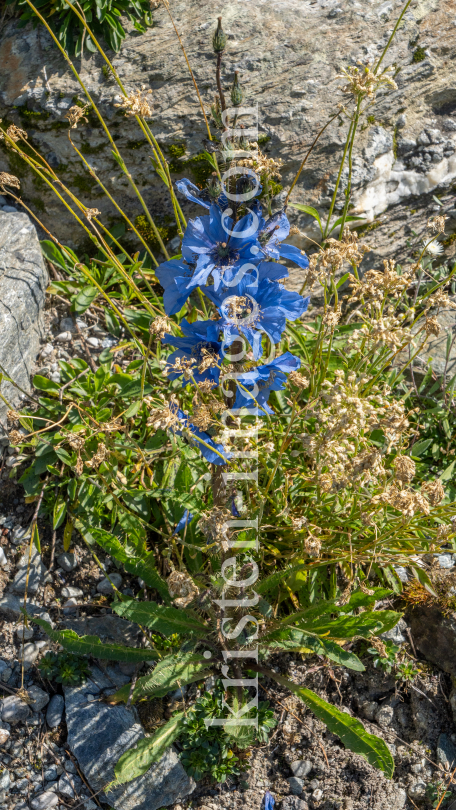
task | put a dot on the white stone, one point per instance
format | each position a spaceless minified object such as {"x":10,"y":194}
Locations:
{"x":3,"y":560}
{"x":63,"y":337}
{"x":25,"y":633}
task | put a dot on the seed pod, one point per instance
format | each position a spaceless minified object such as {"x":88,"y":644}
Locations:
{"x":237,"y":93}
{"x":219,"y":38}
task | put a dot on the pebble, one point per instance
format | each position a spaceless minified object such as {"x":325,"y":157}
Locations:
{"x":70,"y":767}
{"x":14,"y":710}
{"x":67,"y":561}
{"x":38,"y":697}
{"x":301,"y":768}
{"x":65,"y":787}
{"x":44,"y":801}
{"x":47,"y":349}
{"x":32,"y":651}
{"x":5,"y":780}
{"x":445,"y":560}
{"x":317,"y":795}
{"x":5,"y":674}
{"x":105,"y":586}
{"x":55,"y":376}
{"x":63,"y":337}
{"x":36,"y":574}
{"x":68,"y":592}
{"x":25,"y":633}
{"x":50,"y":774}
{"x":296,"y":785}
{"x":3,"y":560}
{"x":94,"y":342}
{"x":384,"y":716}
{"x":417,"y":790}
{"x":55,"y":711}
{"x":446,"y":752}
{"x":67,"y":325}
{"x":4,"y":735}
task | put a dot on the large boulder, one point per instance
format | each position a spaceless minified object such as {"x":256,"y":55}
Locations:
{"x":289,"y":54}
{"x":23,"y":280}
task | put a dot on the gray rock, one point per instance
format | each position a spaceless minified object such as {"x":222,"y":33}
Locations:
{"x":445,"y":560}
{"x":294,"y":803}
{"x":369,"y":709}
{"x":14,"y":710}
{"x":50,"y":774}
{"x":417,"y":790}
{"x":296,"y":785}
{"x":397,"y":633}
{"x":379,"y":142}
{"x":32,"y":651}
{"x":67,"y":561}
{"x":37,"y":572}
{"x":70,"y":767}
{"x":45,"y":801}
{"x":74,"y":593}
{"x":55,"y":711}
{"x":10,"y":609}
{"x":38,"y":698}
{"x":446,"y":752}
{"x":25,"y":633}
{"x":384,"y":716}
{"x":69,"y":785}
{"x":23,"y":281}
{"x":301,"y":768}
{"x":105,"y":586}
{"x":5,"y":779}
{"x":98,"y":734}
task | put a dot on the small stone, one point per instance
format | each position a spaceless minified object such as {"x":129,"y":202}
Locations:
{"x":68,"y":325}
{"x":445,"y":560}
{"x":47,"y":350}
{"x":32,"y":651}
{"x":294,"y":803}
{"x":19,"y":534}
{"x":5,"y":675}
{"x":105,"y":586}
{"x":63,"y":337}
{"x":296,"y":785}
{"x":38,"y":698}
{"x":317,"y":795}
{"x":423,"y":139}
{"x":368,"y":709}
{"x":384,"y":716}
{"x":45,"y":801}
{"x":25,"y":633}
{"x":5,"y":779}
{"x":65,"y":787}
{"x":70,"y":767}
{"x":3,"y":559}
{"x":417,"y":790}
{"x":397,"y":633}
{"x":4,"y":735}
{"x":50,"y":774}
{"x":14,"y":710}
{"x":69,"y":592}
{"x":36,"y":573}
{"x":55,"y":711}
{"x":93,"y":342}
{"x":301,"y":768}
{"x":446,"y":752}
{"x":67,"y":561}
{"x":11,"y":607}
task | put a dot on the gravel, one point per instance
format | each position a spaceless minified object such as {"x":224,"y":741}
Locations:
{"x":54,"y":711}
{"x":67,"y":561}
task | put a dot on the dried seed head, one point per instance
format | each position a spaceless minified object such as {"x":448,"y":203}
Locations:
{"x":298,"y":379}
{"x":159,"y":327}
{"x":434,"y":491}
{"x":9,"y":180}
{"x":214,"y":525}
{"x":182,"y":589}
{"x":404,"y":469}
{"x":76,"y":114}
{"x":92,"y":212}
{"x":437,"y":224}
{"x":432,"y":327}
{"x":15,"y":133}
{"x":12,"y":415}
{"x":136,"y":103}
{"x":15,"y":437}
{"x":99,"y":457}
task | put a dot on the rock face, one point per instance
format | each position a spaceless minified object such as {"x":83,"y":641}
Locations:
{"x":99,"y":734}
{"x":23,"y":281}
{"x":288,"y":54}
{"x":434,"y":635}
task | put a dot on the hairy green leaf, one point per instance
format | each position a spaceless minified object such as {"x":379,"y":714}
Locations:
{"x":166,"y":620}
{"x":138,"y":760}
{"x":91,"y":645}
{"x":348,"y":729}
{"x":170,"y":673}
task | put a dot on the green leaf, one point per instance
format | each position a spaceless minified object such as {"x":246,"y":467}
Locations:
{"x":138,"y":760}
{"x":348,"y":729}
{"x":419,"y":448}
{"x":43,"y":384}
{"x":448,"y":472}
{"x":165,"y":620}
{"x":91,"y":645}
{"x":343,"y":657}
{"x":143,"y":567}
{"x":84,"y":299}
{"x":172,"y":672}
{"x":307,"y":209}
{"x":423,"y":579}
{"x":350,"y":626}
{"x":59,"y":511}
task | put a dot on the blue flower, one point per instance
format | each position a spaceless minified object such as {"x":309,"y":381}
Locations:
{"x":215,"y":250}
{"x":207,"y":452}
{"x":198,"y":336}
{"x":185,"y":520}
{"x":193,"y":193}
{"x":174,"y":276}
{"x":260,"y":381}
{"x":268,"y":801}
{"x":272,"y":232}
{"x":266,"y":310}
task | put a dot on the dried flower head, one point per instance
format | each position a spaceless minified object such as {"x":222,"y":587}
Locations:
{"x":15,"y":437}
{"x":214,"y":525}
{"x":77,"y":442}
{"x":326,"y":263}
{"x":15,"y":133}
{"x":202,"y":415}
{"x":404,"y":469}
{"x":298,"y":379}
{"x":99,"y":457}
{"x":363,"y":82}
{"x":263,"y":165}
{"x":12,"y":415}
{"x":159,"y":327}
{"x":434,"y":491}
{"x":432,"y":327}
{"x":163,"y":418}
{"x":325,"y":482}
{"x":9,"y":180}
{"x":182,"y":589}
{"x":136,"y":102}
{"x":79,"y":466}
{"x":437,"y":224}
{"x":312,"y":546}
{"x":92,"y":212}
{"x":76,"y":114}
{"x":332,"y":317}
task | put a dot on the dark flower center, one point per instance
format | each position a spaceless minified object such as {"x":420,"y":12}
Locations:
{"x":209,"y":346}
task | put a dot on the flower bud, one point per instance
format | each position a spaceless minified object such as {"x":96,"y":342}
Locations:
{"x":219,"y":38}
{"x":237,"y":93}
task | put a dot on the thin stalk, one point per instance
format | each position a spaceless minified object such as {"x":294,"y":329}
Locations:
{"x":391,"y":37}
{"x":350,"y":168}
{"x":97,"y":112}
{"x":334,"y":196}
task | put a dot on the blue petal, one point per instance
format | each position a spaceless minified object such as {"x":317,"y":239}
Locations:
{"x":294,"y":254}
{"x":185,"y":520}
{"x":192,"y":192}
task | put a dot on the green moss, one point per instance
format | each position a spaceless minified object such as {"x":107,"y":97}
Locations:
{"x":449,"y":240}
{"x":88,"y":149}
{"x":371,"y":119}
{"x":59,"y":124}
{"x":165,"y":227}
{"x":32,"y":115}
{"x":136,"y":144}
{"x":200,"y":168}
{"x":419,"y":55}
{"x":262,"y":139}
{"x":38,"y":204}
{"x":84,"y":183}
{"x":176,"y":150}
{"x":395,"y":131}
